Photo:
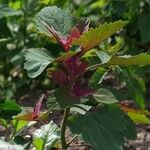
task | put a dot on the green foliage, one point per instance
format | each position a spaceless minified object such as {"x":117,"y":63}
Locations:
{"x":103,"y":129}
{"x":108,"y":124}
{"x":115,"y":48}
{"x":79,"y":85}
{"x":21,"y":125}
{"x":104,"y":57}
{"x":36,"y":61}
{"x":139,"y":118}
{"x":64,"y":97}
{"x":141,"y":59}
{"x":8,"y":108}
{"x":55,"y":19}
{"x":7,"y":12}
{"x":97,"y":77}
{"x":93,"y":37}
{"x":104,"y":96}
{"x":46,"y":136}
{"x":18,"y":125}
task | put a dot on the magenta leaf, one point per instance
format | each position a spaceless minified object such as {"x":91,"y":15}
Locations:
{"x":75,"y":67}
{"x":80,"y":91}
{"x":81,"y":68}
{"x":37,"y":107}
{"x":60,"y":23}
{"x":75,"y":33}
{"x":66,"y":41}
{"x":60,"y":77}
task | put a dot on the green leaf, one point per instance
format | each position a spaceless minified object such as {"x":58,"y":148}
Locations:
{"x":38,"y":143}
{"x":120,"y":95}
{"x":137,"y":115}
{"x":141,"y":59}
{"x":64,"y":97}
{"x":93,"y":37}
{"x":47,"y":135}
{"x":21,"y":125}
{"x":3,"y":122}
{"x":104,"y":129}
{"x":138,"y":118}
{"x":97,"y":77}
{"x":7,"y":146}
{"x":8,"y":12}
{"x":80,"y":108}
{"x":8,"y":109}
{"x":104,"y":96}
{"x":103,"y":56}
{"x":115,"y":48}
{"x":36,"y":61}
{"x":52,"y":17}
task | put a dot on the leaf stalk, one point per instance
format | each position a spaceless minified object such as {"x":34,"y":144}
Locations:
{"x":63,"y":128}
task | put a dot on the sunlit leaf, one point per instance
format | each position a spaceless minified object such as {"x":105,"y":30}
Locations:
{"x":48,"y":135}
{"x":103,"y":56}
{"x":19,"y":124}
{"x":128,"y":109}
{"x":25,"y":117}
{"x":38,"y":143}
{"x":137,"y":115}
{"x":93,"y":37}
{"x":80,"y":108}
{"x":53,"y":20}
{"x":104,"y":96}
{"x":36,"y":61}
{"x":139,"y":118}
{"x":141,"y":59}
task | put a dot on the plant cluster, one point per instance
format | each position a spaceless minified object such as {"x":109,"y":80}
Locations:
{"x":91,"y":110}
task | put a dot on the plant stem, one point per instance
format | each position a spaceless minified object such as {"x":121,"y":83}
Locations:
{"x":63,"y":128}
{"x":93,"y":67}
{"x":72,"y":140}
